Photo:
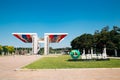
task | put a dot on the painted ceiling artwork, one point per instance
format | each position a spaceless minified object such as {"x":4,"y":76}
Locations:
{"x":56,"y":38}
{"x":27,"y":38}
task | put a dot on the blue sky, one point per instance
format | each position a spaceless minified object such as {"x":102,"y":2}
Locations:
{"x":74,"y":17}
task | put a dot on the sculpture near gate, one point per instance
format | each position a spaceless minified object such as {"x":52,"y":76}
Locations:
{"x":75,"y":54}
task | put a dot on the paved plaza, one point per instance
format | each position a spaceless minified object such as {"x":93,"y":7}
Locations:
{"x":10,"y":65}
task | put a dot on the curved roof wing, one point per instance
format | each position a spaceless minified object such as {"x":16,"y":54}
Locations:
{"x":56,"y":37}
{"x":25,"y":37}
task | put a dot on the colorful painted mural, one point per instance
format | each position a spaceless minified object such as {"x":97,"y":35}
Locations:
{"x":56,"y":38}
{"x":27,"y":38}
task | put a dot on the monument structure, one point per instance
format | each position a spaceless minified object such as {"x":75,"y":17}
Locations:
{"x":35,"y":40}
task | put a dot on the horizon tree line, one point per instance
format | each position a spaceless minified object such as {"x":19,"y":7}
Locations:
{"x":9,"y":50}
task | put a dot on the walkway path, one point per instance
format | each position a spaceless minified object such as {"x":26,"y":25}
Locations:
{"x":10,"y":63}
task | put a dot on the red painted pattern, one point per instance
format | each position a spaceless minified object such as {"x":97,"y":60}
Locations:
{"x":61,"y":37}
{"x":29,"y":38}
{"x":56,"y":38}
{"x":26,"y":39}
{"x":19,"y":37}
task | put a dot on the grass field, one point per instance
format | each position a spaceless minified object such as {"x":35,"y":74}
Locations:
{"x":61,"y":62}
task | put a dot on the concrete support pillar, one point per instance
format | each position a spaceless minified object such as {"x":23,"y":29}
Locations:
{"x":104,"y":54}
{"x":115,"y":52}
{"x":83,"y":56}
{"x":91,"y":51}
{"x":83,"y":51}
{"x":46,"y":45}
{"x":35,"y":44}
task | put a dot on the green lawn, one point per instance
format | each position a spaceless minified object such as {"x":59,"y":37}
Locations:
{"x":61,"y":62}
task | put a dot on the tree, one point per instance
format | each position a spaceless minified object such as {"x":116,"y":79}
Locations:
{"x":75,"y":43}
{"x":5,"y":50}
{"x":104,"y":38}
{"x":115,"y":39}
{"x":10,"y":49}
{"x":101,"y":39}
{"x":83,"y":41}
{"x":1,"y":49}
